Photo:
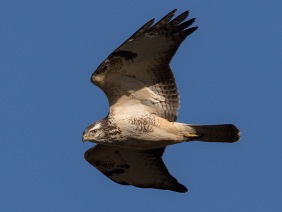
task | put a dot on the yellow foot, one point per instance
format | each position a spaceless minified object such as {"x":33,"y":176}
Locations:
{"x":192,"y":135}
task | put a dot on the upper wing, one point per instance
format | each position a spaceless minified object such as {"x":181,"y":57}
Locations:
{"x":138,"y":71}
{"x":140,"y":168}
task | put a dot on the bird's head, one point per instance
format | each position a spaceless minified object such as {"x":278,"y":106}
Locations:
{"x":93,"y":133}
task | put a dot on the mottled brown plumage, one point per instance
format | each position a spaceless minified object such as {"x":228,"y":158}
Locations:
{"x":144,"y":100}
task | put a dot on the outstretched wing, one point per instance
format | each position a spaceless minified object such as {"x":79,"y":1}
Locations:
{"x":138,"y":72}
{"x":140,"y":168}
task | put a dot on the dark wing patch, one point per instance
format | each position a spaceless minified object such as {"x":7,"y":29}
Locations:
{"x":140,"y":168}
{"x":142,"y":61}
{"x":127,"y":55}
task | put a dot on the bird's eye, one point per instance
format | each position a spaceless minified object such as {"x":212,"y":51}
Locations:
{"x":94,"y":131}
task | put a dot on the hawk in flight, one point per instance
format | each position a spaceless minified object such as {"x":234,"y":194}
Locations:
{"x":143,"y":99}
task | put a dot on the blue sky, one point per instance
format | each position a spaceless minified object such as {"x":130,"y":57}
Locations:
{"x":228,"y":71}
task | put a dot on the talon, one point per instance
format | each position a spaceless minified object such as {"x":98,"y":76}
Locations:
{"x":192,"y":135}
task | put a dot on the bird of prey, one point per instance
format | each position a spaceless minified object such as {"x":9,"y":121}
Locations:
{"x":143,"y":99}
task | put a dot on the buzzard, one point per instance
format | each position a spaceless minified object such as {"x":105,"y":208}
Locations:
{"x":143,"y":99}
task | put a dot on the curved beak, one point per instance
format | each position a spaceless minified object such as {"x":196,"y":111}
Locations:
{"x":84,"y":137}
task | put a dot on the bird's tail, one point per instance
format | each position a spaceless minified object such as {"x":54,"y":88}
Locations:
{"x":211,"y":133}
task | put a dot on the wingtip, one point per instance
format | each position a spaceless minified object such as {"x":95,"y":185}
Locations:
{"x":150,"y":22}
{"x":180,"y":188}
{"x":173,"y":11}
{"x":170,"y":14}
{"x":189,"y":31}
{"x":185,"y":14}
